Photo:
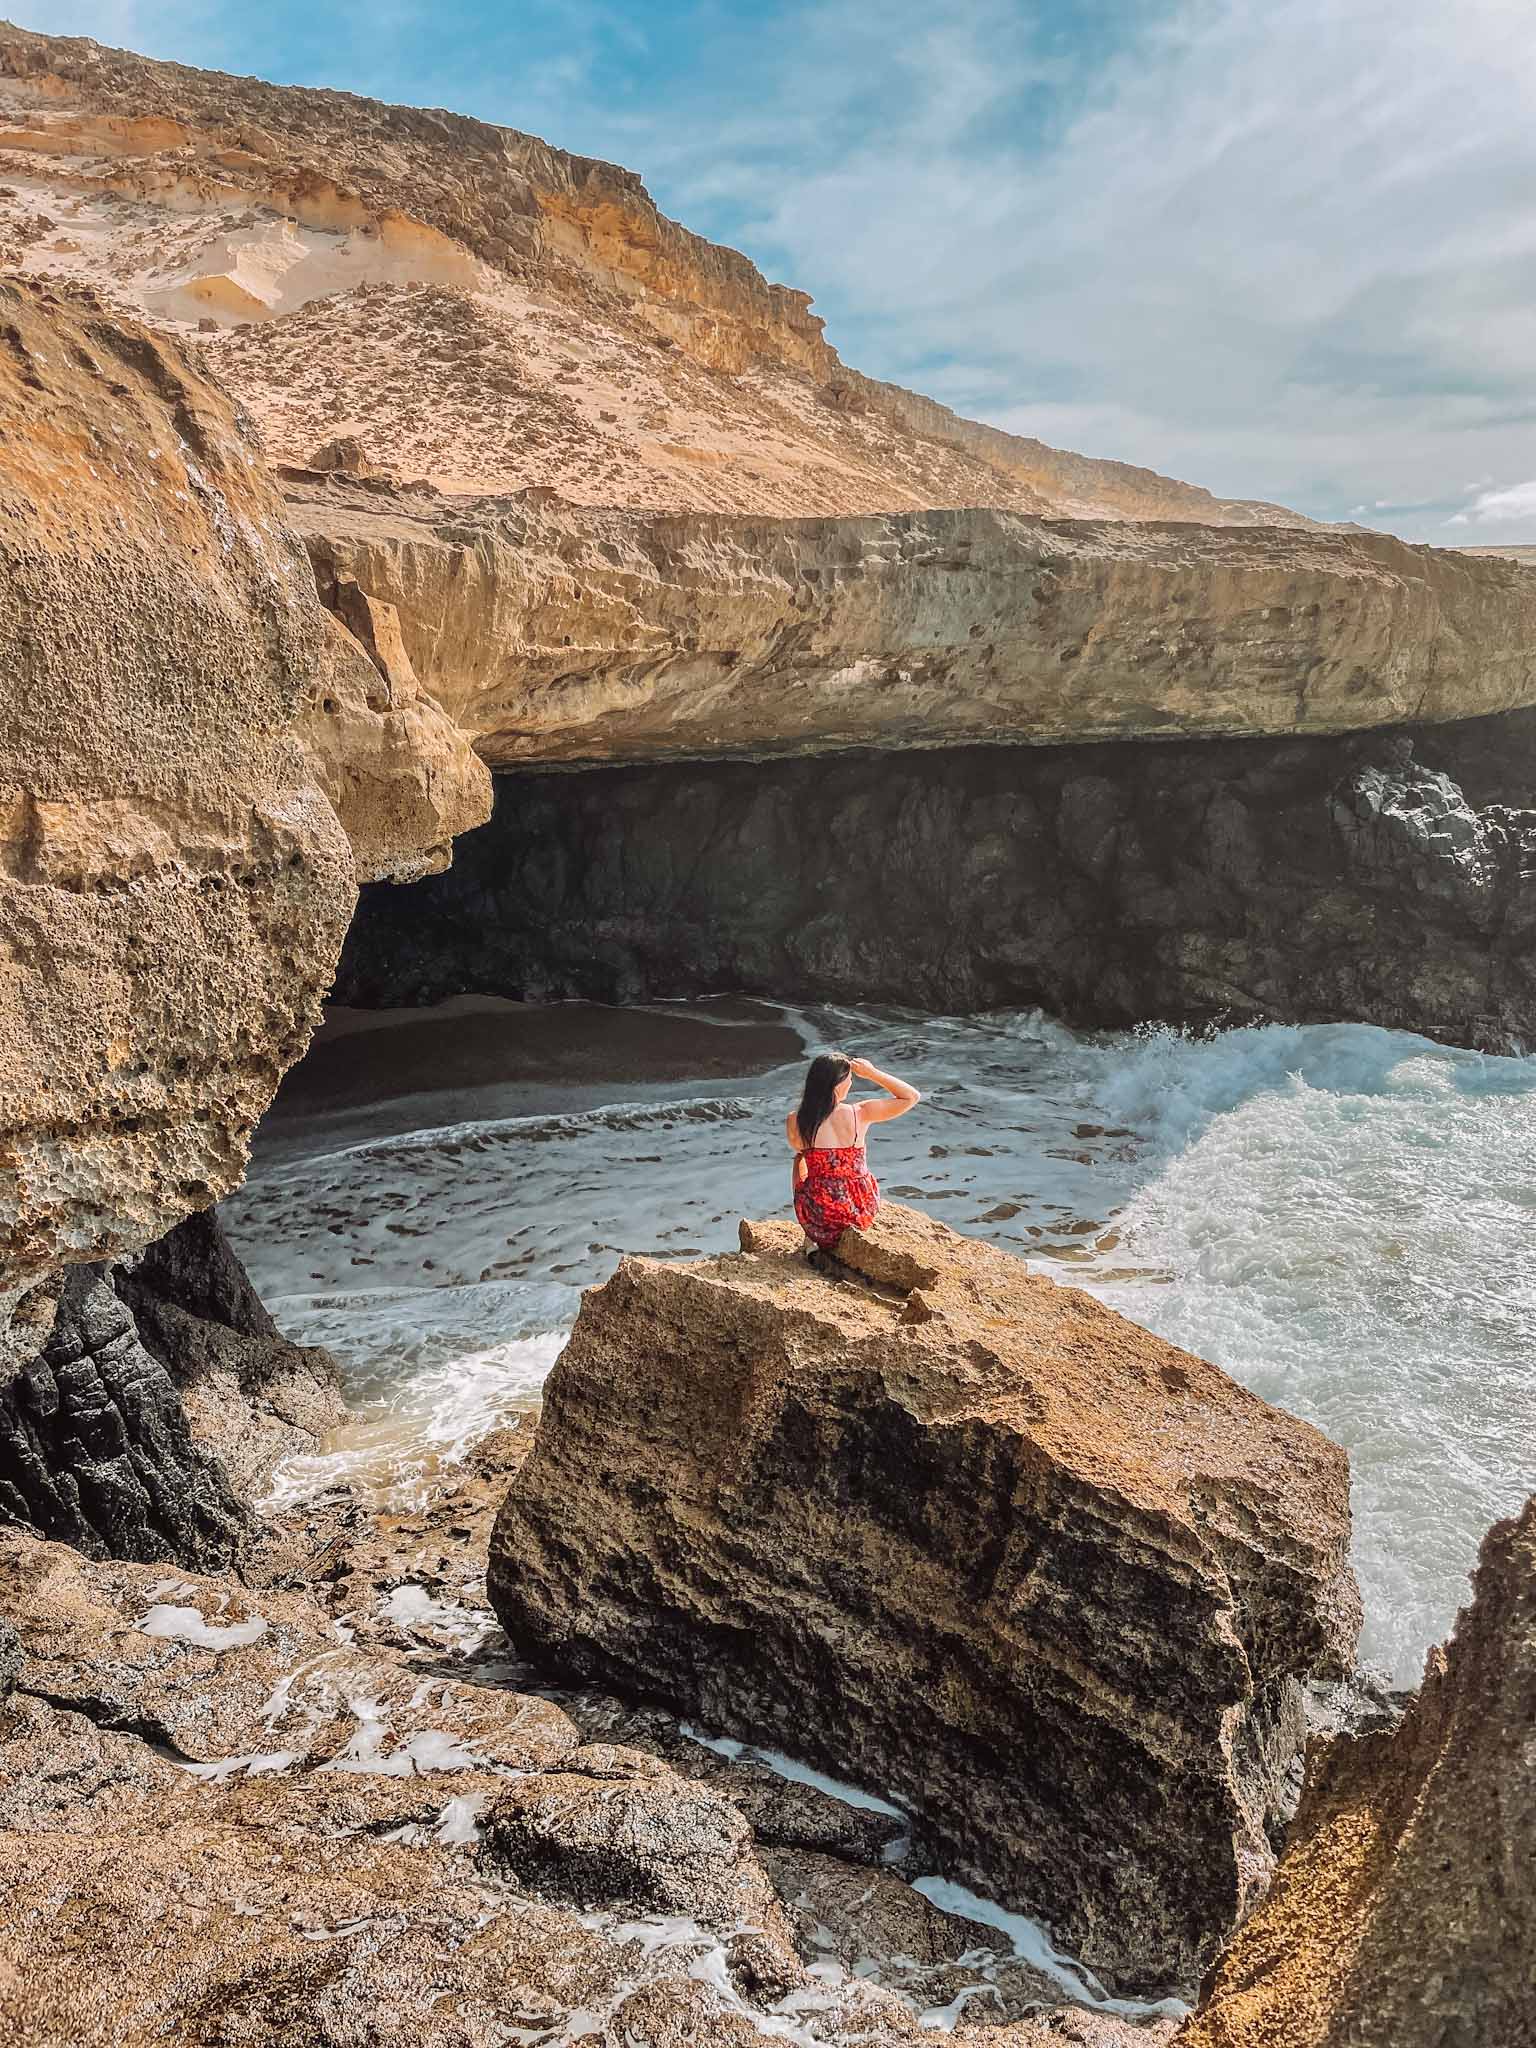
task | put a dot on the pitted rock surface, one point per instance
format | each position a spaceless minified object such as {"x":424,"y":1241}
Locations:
{"x":1044,"y":1579}
{"x":1403,"y":1914}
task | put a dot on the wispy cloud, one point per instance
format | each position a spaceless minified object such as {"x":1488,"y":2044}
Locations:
{"x":1283,"y":247}
{"x":1514,"y":507}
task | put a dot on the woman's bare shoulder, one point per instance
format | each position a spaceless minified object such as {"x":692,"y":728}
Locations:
{"x":792,"y":1131}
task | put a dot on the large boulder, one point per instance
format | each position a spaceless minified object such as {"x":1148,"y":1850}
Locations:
{"x":1403,"y":1913}
{"x":959,"y":1534}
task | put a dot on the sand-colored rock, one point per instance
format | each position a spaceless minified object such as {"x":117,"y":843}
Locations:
{"x":397,"y":1834}
{"x":552,"y":633}
{"x":1403,"y":1914}
{"x":486,"y":310}
{"x":174,"y":884}
{"x":399,"y":773}
{"x":1020,"y":1566}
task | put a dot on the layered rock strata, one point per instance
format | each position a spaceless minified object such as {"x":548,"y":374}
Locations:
{"x":1385,"y":878}
{"x":490,"y":310}
{"x":957,"y":1533}
{"x":1403,"y":1913}
{"x":551,"y":633}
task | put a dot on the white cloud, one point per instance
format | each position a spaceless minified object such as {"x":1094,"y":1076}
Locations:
{"x":1285,"y":247}
{"x":1514,"y":506}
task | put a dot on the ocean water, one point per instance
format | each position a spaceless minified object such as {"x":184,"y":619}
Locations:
{"x":1339,"y":1216}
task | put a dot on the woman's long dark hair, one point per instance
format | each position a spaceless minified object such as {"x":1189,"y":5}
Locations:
{"x":826,"y":1071}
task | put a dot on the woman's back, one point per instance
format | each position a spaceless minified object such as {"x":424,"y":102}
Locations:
{"x":839,"y":1129}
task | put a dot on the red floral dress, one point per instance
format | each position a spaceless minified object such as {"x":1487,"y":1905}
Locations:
{"x":838,"y":1193}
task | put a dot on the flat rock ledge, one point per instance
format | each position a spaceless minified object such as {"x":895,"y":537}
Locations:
{"x":936,"y":1524}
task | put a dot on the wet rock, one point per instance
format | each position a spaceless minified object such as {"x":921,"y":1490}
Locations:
{"x":945,"y":1964}
{"x":95,"y":1445}
{"x":615,"y":1827}
{"x":1047,"y":1581}
{"x":249,"y":1396}
{"x":1403,"y":1914}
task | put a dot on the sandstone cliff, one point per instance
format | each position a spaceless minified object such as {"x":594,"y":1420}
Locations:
{"x":176,"y":884}
{"x":196,"y":763}
{"x":551,"y":633}
{"x":1403,"y":1913}
{"x":490,"y":310}
{"x":958,"y":1534}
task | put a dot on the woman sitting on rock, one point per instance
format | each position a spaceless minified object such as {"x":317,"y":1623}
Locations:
{"x":834,"y":1188}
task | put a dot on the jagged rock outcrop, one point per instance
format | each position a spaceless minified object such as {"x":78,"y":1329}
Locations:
{"x":1403,"y":1914}
{"x":961,"y":1535}
{"x":95,"y":1449}
{"x":250,"y":1397}
{"x":1252,"y":881}
{"x":491,"y":311}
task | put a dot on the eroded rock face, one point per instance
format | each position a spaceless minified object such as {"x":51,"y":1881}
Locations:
{"x":555,"y":633}
{"x":228,"y":1810}
{"x":486,"y":309}
{"x":1292,"y":881}
{"x":1403,"y":1913}
{"x":175,"y":886}
{"x":961,"y":1535}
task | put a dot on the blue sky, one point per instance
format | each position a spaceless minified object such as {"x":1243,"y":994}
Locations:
{"x":1283,"y":248}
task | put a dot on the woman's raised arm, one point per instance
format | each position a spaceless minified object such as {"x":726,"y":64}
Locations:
{"x":903,"y":1095}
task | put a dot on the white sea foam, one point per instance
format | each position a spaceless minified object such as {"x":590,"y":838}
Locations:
{"x":789,"y":1767}
{"x":1336,"y":1214}
{"x":187,"y":1625}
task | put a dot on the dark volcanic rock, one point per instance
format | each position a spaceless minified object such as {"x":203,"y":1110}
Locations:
{"x":95,"y":1447}
{"x":1020,"y":1565}
{"x":1297,"y":880}
{"x":250,"y":1396}
{"x":1404,"y":1910}
{"x":162,"y":1398}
